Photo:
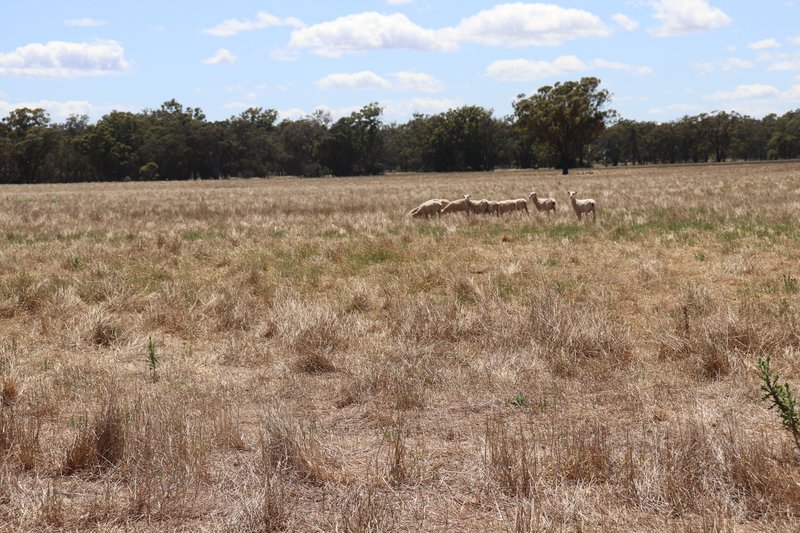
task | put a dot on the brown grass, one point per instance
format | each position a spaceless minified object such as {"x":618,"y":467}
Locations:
{"x":352,"y":369}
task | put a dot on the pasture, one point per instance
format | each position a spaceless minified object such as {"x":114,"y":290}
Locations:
{"x":302,"y":355}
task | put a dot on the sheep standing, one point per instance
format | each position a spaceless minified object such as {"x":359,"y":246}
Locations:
{"x":480,"y":207}
{"x":458,"y":206}
{"x":505,"y":206}
{"x":545,"y":204}
{"x":582,"y":206}
{"x":429,"y":208}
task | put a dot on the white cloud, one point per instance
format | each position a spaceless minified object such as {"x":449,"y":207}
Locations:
{"x":404,"y":109}
{"x":745,"y":92}
{"x":365,"y":79}
{"x":284,"y":54}
{"x":366,"y":31}
{"x":521,"y":24}
{"x":230,"y":27}
{"x":59,"y":59}
{"x":417,"y":81}
{"x":528,"y":70}
{"x":729,"y":64}
{"x":58,"y":111}
{"x":764,"y":44}
{"x":406,"y":81}
{"x":795,"y":39}
{"x":782,"y":62}
{"x":686,"y":16}
{"x":236,"y":106}
{"x":84,"y":22}
{"x":614,"y":65}
{"x":625,"y":22}
{"x":676,"y":109}
{"x":516,"y":24}
{"x":756,"y":99}
{"x":293,"y":113}
{"x":223,"y":56}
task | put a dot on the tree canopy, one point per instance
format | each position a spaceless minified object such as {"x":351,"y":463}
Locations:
{"x":565,"y":125}
{"x":565,"y":118}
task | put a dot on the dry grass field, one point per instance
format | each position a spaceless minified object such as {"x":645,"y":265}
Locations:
{"x":301,"y":355}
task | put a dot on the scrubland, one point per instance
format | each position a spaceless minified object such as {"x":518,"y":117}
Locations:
{"x":301,"y":355}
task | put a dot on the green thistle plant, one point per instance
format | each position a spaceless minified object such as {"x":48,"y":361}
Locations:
{"x":780,"y":397}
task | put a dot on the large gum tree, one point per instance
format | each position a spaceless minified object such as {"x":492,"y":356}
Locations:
{"x":565,"y":117}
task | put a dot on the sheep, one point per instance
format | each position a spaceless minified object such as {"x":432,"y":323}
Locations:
{"x":506,"y":206}
{"x":480,"y":207}
{"x":582,"y":206}
{"x":429,"y":208}
{"x":492,"y":207}
{"x":456,"y":206}
{"x":545,"y":204}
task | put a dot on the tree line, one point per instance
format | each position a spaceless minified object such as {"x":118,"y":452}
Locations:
{"x":564,"y":126}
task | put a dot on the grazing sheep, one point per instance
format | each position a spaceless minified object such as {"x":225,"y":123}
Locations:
{"x":492,"y":207}
{"x":582,"y":206}
{"x":545,"y":204}
{"x":457,"y":206}
{"x":429,"y":208}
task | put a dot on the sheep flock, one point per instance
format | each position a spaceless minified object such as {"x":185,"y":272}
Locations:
{"x":438,"y":207}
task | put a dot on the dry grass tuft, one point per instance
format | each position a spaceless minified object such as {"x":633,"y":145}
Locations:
{"x":98,"y":445}
{"x":9,"y":391}
{"x":721,"y":339}
{"x":104,"y":330}
{"x":571,"y":331}
{"x":316,"y":343}
{"x":266,"y":509}
{"x":289,"y":446}
{"x":362,"y":510}
{"x":511,"y":458}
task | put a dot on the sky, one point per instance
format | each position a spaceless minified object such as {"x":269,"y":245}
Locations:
{"x":659,"y":59}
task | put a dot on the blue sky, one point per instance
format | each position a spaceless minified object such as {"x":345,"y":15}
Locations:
{"x":660,"y":59}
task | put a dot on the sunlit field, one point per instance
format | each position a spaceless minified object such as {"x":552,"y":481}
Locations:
{"x":302,"y":355}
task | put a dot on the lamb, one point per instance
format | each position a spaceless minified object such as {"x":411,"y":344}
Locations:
{"x":582,"y":206}
{"x":429,"y":208}
{"x":457,"y":206}
{"x":545,"y":204}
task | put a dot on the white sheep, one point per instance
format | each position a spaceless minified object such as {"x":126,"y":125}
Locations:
{"x":429,"y":208}
{"x":506,"y":206}
{"x":457,"y":206}
{"x":545,"y":204}
{"x":582,"y":206}
{"x":519,"y":204}
{"x":480,"y":207}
